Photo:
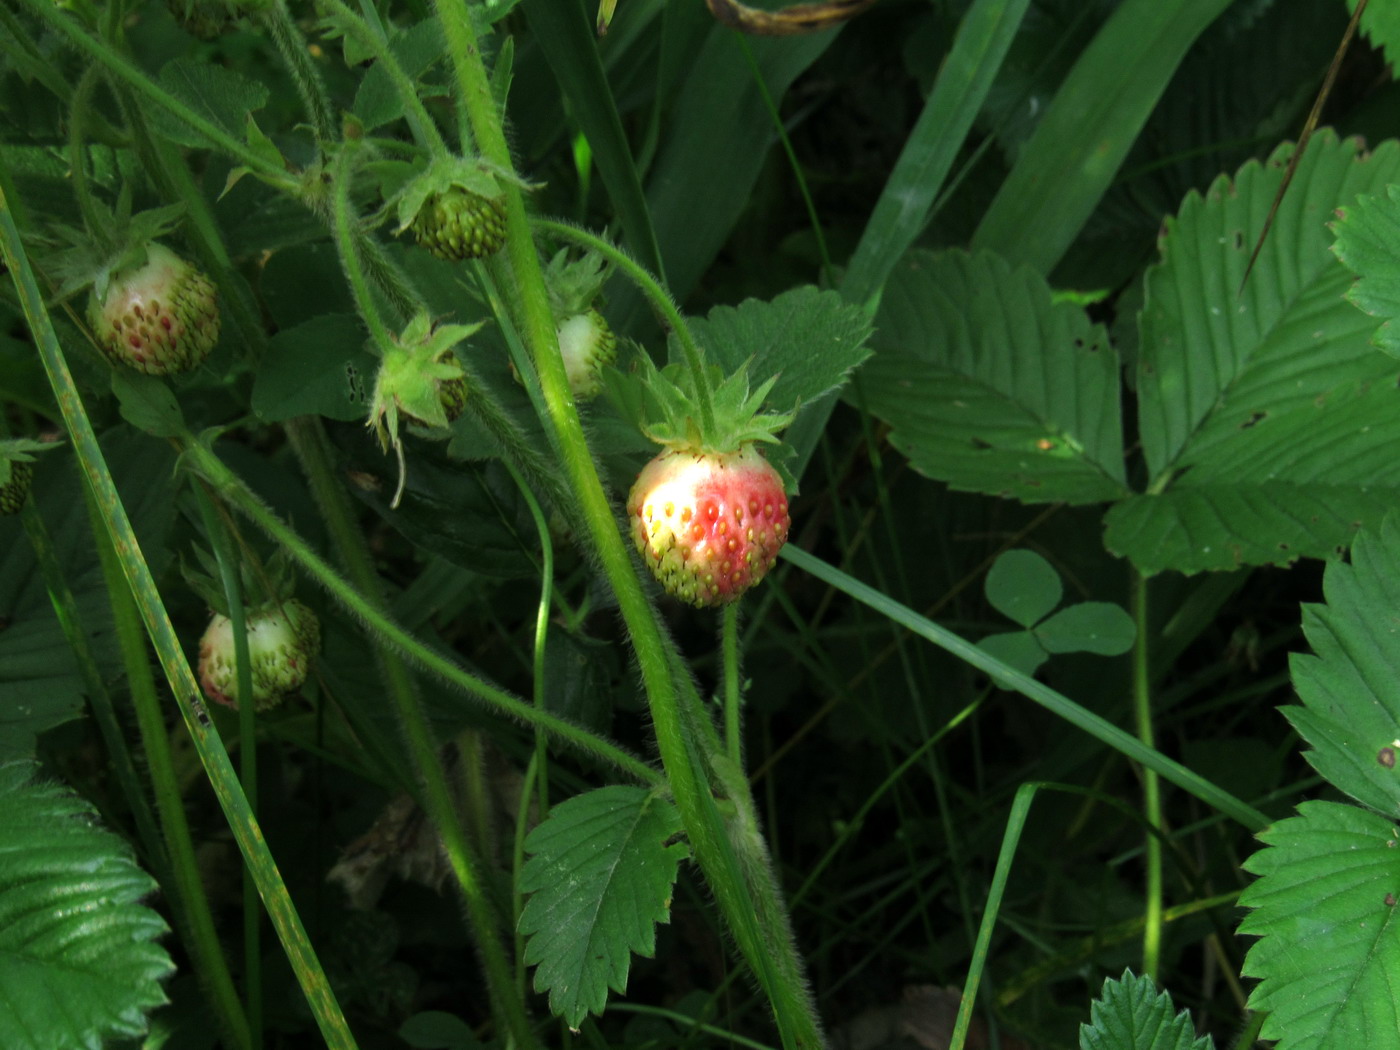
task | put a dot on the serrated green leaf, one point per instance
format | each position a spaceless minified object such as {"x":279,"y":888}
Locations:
{"x":1023,"y":586}
{"x":318,"y":368}
{"x":1380,"y":23}
{"x":1324,"y":907}
{"x":81,"y":958}
{"x":1351,"y":712}
{"x":810,"y":340}
{"x":600,"y":874}
{"x":217,"y":94}
{"x":1130,"y":1014}
{"x":1367,"y":236}
{"x":992,"y":387}
{"x":1101,"y":628}
{"x":1268,"y":421}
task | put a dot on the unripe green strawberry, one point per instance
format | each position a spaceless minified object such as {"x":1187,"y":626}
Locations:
{"x":588,"y":345}
{"x":708,"y":525}
{"x":459,"y":224}
{"x":283,"y":638}
{"x":159,"y":317}
{"x":14,"y":491}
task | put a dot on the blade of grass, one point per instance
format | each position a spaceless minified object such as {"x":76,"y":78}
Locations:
{"x":563,"y":31}
{"x":1089,"y":127}
{"x":905,"y":204}
{"x":1058,"y":704}
{"x":167,"y":644}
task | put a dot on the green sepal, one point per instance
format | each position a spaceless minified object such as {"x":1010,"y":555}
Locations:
{"x":669,"y":415}
{"x":441,"y":175}
{"x":573,"y":286}
{"x":19,"y":450}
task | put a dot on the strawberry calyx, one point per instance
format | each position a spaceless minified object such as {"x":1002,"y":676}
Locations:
{"x":420,"y":381}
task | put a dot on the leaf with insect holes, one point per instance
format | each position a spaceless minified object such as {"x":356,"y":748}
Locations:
{"x":1130,"y":1014}
{"x":992,"y":386}
{"x":600,"y":874}
{"x":1324,"y":909}
{"x":1268,"y":420}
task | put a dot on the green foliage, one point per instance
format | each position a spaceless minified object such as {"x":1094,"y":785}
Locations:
{"x":81,"y":962}
{"x":1026,"y":588}
{"x":1130,"y":1014}
{"x":600,"y":875}
{"x":1366,"y":237}
{"x":1328,"y":957}
{"x":991,"y":386}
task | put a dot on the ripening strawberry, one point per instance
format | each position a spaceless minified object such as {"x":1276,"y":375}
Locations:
{"x":459,"y":224}
{"x":588,"y":345}
{"x":158,"y":317}
{"x":709,"y":525}
{"x":283,"y":638}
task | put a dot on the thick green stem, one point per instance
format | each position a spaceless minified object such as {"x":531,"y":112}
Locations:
{"x":187,"y":886}
{"x":768,"y":950}
{"x":343,"y":225}
{"x":1152,"y":788}
{"x":292,"y":47}
{"x":509,"y":1008}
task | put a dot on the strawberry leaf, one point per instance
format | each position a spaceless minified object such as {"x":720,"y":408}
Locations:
{"x":219,"y":95}
{"x":1324,"y":908}
{"x":991,"y":386}
{"x":81,"y":958}
{"x":1268,"y":420}
{"x":1351,"y":712}
{"x":600,"y":875}
{"x":1130,"y":1014}
{"x":1366,"y":237}
{"x":809,"y":340}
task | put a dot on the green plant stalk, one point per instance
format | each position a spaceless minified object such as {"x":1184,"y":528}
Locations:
{"x":1151,"y":786}
{"x":292,"y":47}
{"x":1124,"y":743}
{"x":660,"y":299}
{"x":127,"y":71}
{"x":768,"y":951}
{"x":231,"y":578}
{"x":541,"y":647}
{"x":1249,"y":1035}
{"x":186,"y":885}
{"x":1015,"y":823}
{"x":733,"y":696}
{"x":508,"y":1008}
{"x":232,"y":489}
{"x":343,"y":221}
{"x":177,"y":670}
{"x":375,"y":42}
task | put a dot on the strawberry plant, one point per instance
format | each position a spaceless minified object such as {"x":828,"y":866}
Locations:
{"x":781,"y":525}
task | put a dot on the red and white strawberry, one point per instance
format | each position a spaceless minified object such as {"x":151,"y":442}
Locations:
{"x":283,"y":639}
{"x":709,"y":525}
{"x":158,"y":314}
